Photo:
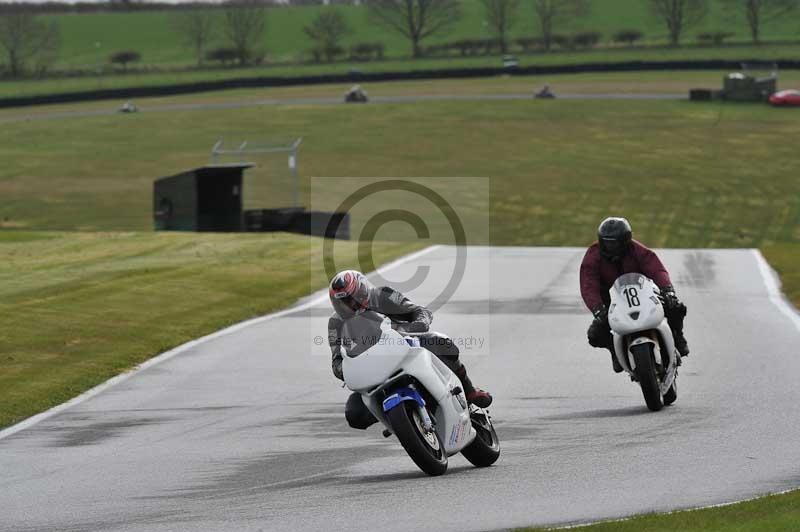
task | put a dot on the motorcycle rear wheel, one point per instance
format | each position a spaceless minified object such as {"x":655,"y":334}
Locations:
{"x":425,"y":449}
{"x":644,"y":358}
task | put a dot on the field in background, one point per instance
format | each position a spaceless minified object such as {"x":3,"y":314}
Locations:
{"x":687,"y":174}
{"x":88,"y":39}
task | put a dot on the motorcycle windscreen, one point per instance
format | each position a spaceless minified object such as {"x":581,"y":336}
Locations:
{"x":629,"y":279}
{"x":361,"y":332}
{"x":375,"y":352}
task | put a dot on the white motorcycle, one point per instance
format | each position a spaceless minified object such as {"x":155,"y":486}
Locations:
{"x":418,"y":398}
{"x":643,"y":342}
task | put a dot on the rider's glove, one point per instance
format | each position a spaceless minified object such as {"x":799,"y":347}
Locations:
{"x":336,"y":366}
{"x":416,"y":327}
{"x":670,"y":298}
{"x":601,"y":314}
{"x":410,"y":327}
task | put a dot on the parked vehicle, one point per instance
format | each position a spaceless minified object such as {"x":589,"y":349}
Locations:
{"x":786,"y":98}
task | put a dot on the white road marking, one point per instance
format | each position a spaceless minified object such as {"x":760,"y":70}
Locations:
{"x":772,"y":282}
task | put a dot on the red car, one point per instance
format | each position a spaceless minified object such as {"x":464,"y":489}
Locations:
{"x":790,"y":97}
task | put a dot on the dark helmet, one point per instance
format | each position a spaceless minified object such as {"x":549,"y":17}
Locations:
{"x":349,"y":293}
{"x":614,"y":237}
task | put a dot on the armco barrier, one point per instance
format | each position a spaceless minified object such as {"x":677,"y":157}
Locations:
{"x":453,"y":73}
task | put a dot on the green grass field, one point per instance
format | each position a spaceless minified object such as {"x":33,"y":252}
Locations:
{"x":776,"y":513}
{"x":688,"y":174}
{"x":79,"y":308}
{"x":88,"y":39}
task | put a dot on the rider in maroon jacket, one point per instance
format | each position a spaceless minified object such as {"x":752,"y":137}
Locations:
{"x":616,"y":253}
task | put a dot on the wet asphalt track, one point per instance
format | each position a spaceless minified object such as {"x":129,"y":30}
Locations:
{"x":245,"y":432}
{"x":112,"y":108}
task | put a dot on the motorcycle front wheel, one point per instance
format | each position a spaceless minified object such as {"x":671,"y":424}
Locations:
{"x":485,"y":448}
{"x":424,"y":447}
{"x":644,"y":358}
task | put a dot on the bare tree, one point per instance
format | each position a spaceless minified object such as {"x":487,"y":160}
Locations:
{"x":196,"y":28}
{"x":551,"y":13}
{"x":500,"y":16}
{"x":760,"y":12}
{"x":25,"y":38}
{"x":326,"y":31}
{"x":244,"y":27}
{"x":679,"y":15}
{"x":415,"y":19}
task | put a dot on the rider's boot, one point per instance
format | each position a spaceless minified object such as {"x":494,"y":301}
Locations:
{"x":476,"y":396}
{"x":614,"y":362}
{"x":680,"y":343}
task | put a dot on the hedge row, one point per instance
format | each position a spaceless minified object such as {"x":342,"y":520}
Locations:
{"x":463,"y":73}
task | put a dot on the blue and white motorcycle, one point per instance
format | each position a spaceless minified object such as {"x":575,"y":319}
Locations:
{"x":418,"y":399}
{"x":643,"y":342}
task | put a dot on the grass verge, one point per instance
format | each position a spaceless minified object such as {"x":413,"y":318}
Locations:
{"x":79,"y":308}
{"x":785,"y":259}
{"x":774,"y":513}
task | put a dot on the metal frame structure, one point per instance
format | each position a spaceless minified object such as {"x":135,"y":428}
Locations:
{"x":246,"y":148}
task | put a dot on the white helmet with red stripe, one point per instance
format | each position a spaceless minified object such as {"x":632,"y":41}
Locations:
{"x":349,"y":293}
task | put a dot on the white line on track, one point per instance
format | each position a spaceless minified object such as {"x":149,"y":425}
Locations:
{"x":773,"y":284}
{"x":311,"y":301}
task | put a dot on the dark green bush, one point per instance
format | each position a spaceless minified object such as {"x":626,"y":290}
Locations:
{"x":628,"y":36}
{"x":586,"y":39}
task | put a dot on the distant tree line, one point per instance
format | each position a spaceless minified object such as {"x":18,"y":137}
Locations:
{"x":233,"y":32}
{"x":418,"y":20}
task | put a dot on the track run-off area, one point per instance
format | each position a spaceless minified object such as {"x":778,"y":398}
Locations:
{"x":244,"y":430}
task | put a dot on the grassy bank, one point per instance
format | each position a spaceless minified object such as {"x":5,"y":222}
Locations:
{"x":776,"y":513}
{"x":79,"y":308}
